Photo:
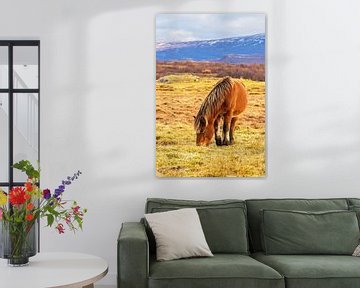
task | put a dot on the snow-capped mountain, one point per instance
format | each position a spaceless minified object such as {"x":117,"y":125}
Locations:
{"x":245,"y":49}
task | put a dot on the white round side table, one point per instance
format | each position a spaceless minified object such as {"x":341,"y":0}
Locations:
{"x":50,"y":270}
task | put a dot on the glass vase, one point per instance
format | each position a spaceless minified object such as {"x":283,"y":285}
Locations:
{"x":18,"y":242}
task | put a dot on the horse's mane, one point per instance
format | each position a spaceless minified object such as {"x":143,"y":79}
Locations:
{"x":214,"y":100}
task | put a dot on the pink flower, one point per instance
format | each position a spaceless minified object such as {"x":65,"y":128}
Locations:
{"x":60,"y":228}
{"x":68,"y":219}
{"x":76,"y":210}
{"x":1,"y":212}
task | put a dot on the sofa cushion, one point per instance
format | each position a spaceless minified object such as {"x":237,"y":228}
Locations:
{"x":223,"y":221}
{"x":297,"y":232}
{"x":178,"y":234}
{"x":254,"y":207}
{"x":222,"y":270}
{"x":313,"y":271}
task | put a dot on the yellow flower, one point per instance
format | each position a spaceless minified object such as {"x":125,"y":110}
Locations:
{"x":3,"y":198}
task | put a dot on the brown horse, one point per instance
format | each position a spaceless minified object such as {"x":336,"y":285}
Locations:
{"x":226,"y":100}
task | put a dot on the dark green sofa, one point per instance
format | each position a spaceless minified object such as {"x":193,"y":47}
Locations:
{"x":232,"y":230}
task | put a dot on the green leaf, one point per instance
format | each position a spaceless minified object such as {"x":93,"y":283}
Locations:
{"x":79,"y":221}
{"x":50,"y":219}
{"x":22,"y":164}
{"x":28,"y":168}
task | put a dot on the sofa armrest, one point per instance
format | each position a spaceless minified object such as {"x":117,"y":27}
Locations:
{"x":133,"y":256}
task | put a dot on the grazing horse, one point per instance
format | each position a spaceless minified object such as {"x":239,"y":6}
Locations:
{"x":226,"y":100}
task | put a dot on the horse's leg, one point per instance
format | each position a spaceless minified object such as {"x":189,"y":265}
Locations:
{"x":226,"y":129}
{"x":232,"y":128}
{"x":217,"y":131}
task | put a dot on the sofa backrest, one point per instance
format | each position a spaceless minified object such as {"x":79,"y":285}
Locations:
{"x":353,"y":202}
{"x":223,"y":221}
{"x":256,"y":205}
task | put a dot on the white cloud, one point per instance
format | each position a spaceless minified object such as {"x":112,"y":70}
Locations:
{"x":181,"y":34}
{"x":187,"y":27}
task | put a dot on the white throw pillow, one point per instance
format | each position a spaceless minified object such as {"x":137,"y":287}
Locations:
{"x":357,"y":251}
{"x":178,"y":234}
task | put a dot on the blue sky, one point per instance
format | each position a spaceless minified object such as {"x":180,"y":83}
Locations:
{"x":189,"y":27}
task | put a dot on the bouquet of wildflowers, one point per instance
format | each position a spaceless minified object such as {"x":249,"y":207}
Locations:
{"x":24,"y":205}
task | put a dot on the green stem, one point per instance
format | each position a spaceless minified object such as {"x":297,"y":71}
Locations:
{"x":18,"y":237}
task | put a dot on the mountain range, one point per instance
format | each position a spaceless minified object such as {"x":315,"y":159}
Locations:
{"x":243,"y":49}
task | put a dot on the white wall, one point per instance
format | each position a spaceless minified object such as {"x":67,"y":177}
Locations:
{"x":98,"y":105}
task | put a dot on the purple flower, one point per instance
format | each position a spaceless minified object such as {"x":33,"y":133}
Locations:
{"x":68,"y":181}
{"x":46,"y":194}
{"x":57,"y":193}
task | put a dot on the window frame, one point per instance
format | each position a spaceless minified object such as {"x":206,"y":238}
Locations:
{"x":10,"y":91}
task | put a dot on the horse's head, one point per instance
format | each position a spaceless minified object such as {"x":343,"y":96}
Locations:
{"x":204,"y":131}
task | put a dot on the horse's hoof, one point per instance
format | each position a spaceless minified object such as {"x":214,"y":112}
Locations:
{"x":226,"y":142}
{"x":218,"y":142}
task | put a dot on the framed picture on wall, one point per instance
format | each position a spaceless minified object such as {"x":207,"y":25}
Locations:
{"x":210,"y":95}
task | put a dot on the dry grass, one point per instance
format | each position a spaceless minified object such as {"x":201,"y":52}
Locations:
{"x":178,"y":98}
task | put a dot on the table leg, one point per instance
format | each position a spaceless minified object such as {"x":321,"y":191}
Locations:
{"x":89,"y":286}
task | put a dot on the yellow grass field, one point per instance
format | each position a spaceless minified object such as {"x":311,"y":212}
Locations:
{"x":178,"y":98}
